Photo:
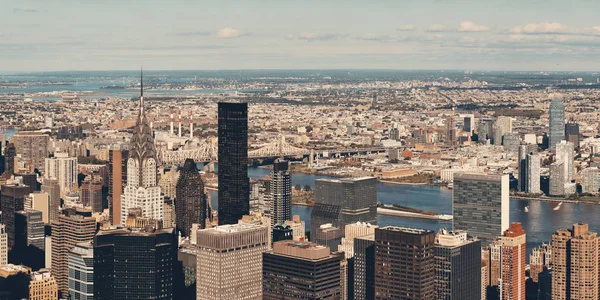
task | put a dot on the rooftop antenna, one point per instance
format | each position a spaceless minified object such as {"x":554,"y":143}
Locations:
{"x":141,"y":91}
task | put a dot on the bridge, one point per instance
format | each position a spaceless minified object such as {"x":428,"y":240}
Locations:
{"x":279,"y":148}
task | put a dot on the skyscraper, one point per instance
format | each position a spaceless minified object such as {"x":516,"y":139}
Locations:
{"x":64,"y":169}
{"x":590,"y":180}
{"x":10,"y":152}
{"x":81,"y":271}
{"x":557,"y":122}
{"x":300,"y":270}
{"x":134,"y":264}
{"x":281,"y":193}
{"x":533,"y":173}
{"x":117,"y":179}
{"x":353,"y":231}
{"x":13,"y":200}
{"x":364,"y":267}
{"x":575,"y":263}
{"x":229,"y":262}
{"x":572,"y":133}
{"x":142,"y":189}
{"x":29,"y":239}
{"x":404,"y":255}
{"x":52,"y":187}
{"x":457,"y":266}
{"x":190,"y":201}
{"x":502,"y":126}
{"x":344,"y":201}
{"x":557,"y":179}
{"x":450,"y":131}
{"x":512,"y":243}
{"x":33,"y":147}
{"x":564,"y":154}
{"x":67,"y":231}
{"x":3,"y":245}
{"x":539,"y":259}
{"x":90,"y":193}
{"x":481,"y":205}
{"x":234,"y":185}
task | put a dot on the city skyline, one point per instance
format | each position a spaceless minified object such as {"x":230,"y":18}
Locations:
{"x":497,"y":35}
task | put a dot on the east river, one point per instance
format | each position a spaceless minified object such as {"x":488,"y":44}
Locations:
{"x":539,"y":223}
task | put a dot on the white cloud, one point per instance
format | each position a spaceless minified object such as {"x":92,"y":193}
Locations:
{"x":228,"y":33}
{"x":408,"y":27}
{"x":542,"y":28}
{"x":596,"y":29}
{"x":316,"y":36}
{"x":436,"y":28}
{"x":467,"y":26}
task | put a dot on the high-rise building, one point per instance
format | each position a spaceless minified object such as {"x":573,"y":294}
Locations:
{"x":533,"y":173}
{"x":344,"y":201}
{"x":190,"y":201}
{"x":353,"y":231}
{"x":511,"y":141}
{"x":90,"y":193}
{"x":256,"y":218}
{"x":468,"y":123}
{"x":501,"y":127}
{"x":68,"y":231}
{"x":168,"y":183}
{"x":229,"y":262}
{"x":557,"y":122}
{"x":301,"y":270}
{"x":3,"y":245}
{"x":64,"y":169}
{"x":134,"y":264}
{"x":29,"y":244}
{"x":557,"y":179}
{"x":364,"y":267}
{"x":52,"y":188}
{"x":481,"y":205}
{"x":282,"y":233}
{"x":28,"y":179}
{"x":590,"y":180}
{"x":281,"y":193}
{"x":484,"y":130}
{"x":234,"y":184}
{"x":81,"y":271}
{"x":450,"y":131}
{"x":10,"y":152}
{"x":512,"y":243}
{"x":142,"y":189}
{"x":539,"y":260}
{"x":169,"y":213}
{"x":457,"y":266}
{"x":572,"y":133}
{"x":13,"y":200}
{"x":43,"y":286}
{"x":404,"y":255}
{"x":41,"y":201}
{"x":575,"y":263}
{"x":564,"y":154}
{"x":33,"y":147}
{"x":298,"y":228}
{"x":117,"y":179}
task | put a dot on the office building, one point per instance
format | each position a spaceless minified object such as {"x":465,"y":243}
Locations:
{"x":117,"y":179}
{"x":344,"y":201}
{"x":404,"y":263}
{"x":256,"y":218}
{"x":511,"y":141}
{"x":168,"y":183}
{"x":484,"y":130}
{"x":10,"y":152}
{"x":142,"y":189}
{"x":81,"y":271}
{"x":281,"y":192}
{"x":457,"y":266}
{"x":328,"y":235}
{"x":364,"y":267}
{"x":564,"y":154}
{"x":186,"y":256}
{"x":52,"y":188}
{"x":64,"y":169}
{"x":41,"y":201}
{"x":301,"y":270}
{"x":229,"y":262}
{"x":298,"y":228}
{"x":68,"y":231}
{"x":234,"y":184}
{"x":90,"y":193}
{"x":169,"y":213}
{"x":190,"y":202}
{"x":575,"y":263}
{"x":557,"y":122}
{"x":33,"y":147}
{"x":572,"y":133}
{"x":3,"y":245}
{"x":539,"y":260}
{"x":557,"y":179}
{"x":513,"y":254}
{"x":353,"y":231}
{"x":533,"y":173}
{"x":134,"y":264}
{"x":501,"y":127}
{"x":43,"y":286}
{"x":450,"y":131}
{"x":481,"y":205}
{"x":590,"y":180}
{"x":29,"y":244}
{"x":13,"y":200}
{"x":27,"y":179}
{"x":282,"y":233}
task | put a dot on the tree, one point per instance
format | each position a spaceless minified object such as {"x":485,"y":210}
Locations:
{"x":307,"y":188}
{"x":298,"y":187}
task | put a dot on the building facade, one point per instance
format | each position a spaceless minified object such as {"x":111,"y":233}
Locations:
{"x":364,"y":267}
{"x":190,"y":202}
{"x":557,"y":122}
{"x":564,"y":153}
{"x":52,"y":188}
{"x":43,"y":286}
{"x":590,"y":180}
{"x":512,"y":243}
{"x":81,"y":271}
{"x":33,"y":147}
{"x":13,"y":200}
{"x":457,"y":266}
{"x":91,"y":193}
{"x":117,"y":179}
{"x":62,"y":168}
{"x":281,"y":193}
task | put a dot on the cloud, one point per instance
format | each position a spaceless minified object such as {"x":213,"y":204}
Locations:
{"x":436,"y":28}
{"x":192,"y":33}
{"x":315,"y":36}
{"x":28,"y":9}
{"x":467,"y":26}
{"x":376,"y":38}
{"x":228,"y":33}
{"x":408,"y":27}
{"x":542,"y":28}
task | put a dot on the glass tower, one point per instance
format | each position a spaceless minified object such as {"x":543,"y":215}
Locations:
{"x":557,"y":122}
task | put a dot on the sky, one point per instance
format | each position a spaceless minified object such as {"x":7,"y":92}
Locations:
{"x":532,"y":35}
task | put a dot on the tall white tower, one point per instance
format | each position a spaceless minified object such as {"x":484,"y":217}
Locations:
{"x":142,"y":190}
{"x":191,"y":127}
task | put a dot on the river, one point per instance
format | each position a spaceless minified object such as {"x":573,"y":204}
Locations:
{"x":539,"y":223}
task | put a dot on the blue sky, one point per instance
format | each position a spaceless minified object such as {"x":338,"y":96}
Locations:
{"x":321,"y":34}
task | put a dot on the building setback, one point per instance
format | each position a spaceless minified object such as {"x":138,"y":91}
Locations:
{"x":301,"y":270}
{"x":404,"y":263}
{"x":234,"y":184}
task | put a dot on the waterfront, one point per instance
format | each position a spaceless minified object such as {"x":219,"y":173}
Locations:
{"x":539,"y":223}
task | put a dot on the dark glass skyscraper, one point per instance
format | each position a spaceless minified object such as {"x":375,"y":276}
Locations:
{"x":190,"y":201}
{"x":10,"y":152}
{"x":457,"y":266}
{"x":281,"y":193}
{"x":234,"y":185}
{"x":13,"y":200}
{"x":572,"y":133}
{"x":364,"y":267}
{"x":557,"y":122}
{"x":134,"y":264}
